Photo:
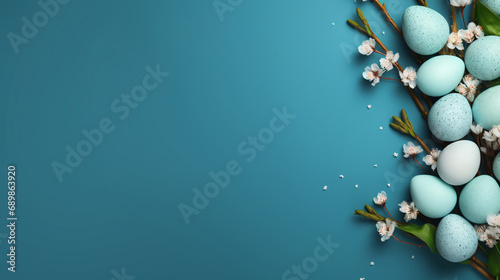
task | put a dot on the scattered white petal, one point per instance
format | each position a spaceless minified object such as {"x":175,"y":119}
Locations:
{"x":333,"y":23}
{"x":325,"y":187}
{"x":372,"y":263}
{"x":388,"y":185}
{"x":356,"y":186}
{"x":412,"y":257}
{"x":369,"y":106}
{"x":395,"y":154}
{"x":362,"y":277}
{"x":375,"y":165}
{"x":383,"y":32}
{"x":341,"y":176}
{"x":381,"y":128}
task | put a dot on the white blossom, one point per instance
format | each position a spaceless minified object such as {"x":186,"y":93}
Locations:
{"x":389,"y":60}
{"x":385,"y":229}
{"x":460,"y":3}
{"x":367,"y":47}
{"x":432,"y":158}
{"x":373,"y":73}
{"x":410,"y":211}
{"x":411,"y":150}
{"x":455,"y":41}
{"x":409,"y":77}
{"x":381,"y":198}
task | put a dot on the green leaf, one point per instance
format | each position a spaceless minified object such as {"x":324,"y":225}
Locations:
{"x":398,"y":128}
{"x":493,"y":83}
{"x":356,"y":26}
{"x":426,"y":233}
{"x":494,"y":262}
{"x":488,"y":20}
{"x":399,"y":122}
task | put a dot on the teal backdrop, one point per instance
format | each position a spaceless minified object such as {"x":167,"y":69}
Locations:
{"x":192,"y":140}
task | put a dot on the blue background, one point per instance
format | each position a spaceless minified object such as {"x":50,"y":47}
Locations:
{"x":119,"y":207}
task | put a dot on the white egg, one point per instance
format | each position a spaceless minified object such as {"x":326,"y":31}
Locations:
{"x":459,"y":162}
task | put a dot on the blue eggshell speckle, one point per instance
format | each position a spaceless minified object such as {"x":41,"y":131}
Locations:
{"x":440,"y":75}
{"x":482,"y":59}
{"x":485,"y":108}
{"x":493,"y":5}
{"x":480,"y":198}
{"x":450,"y":117}
{"x":456,"y":238}
{"x":425,"y":30}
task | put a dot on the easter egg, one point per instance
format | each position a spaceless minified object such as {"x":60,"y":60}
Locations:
{"x":496,"y":166}
{"x":433,"y":197}
{"x":440,"y":75}
{"x":493,"y":5}
{"x":425,"y":30}
{"x":480,"y":198}
{"x":485,"y":108}
{"x":456,"y":238}
{"x":459,"y":162}
{"x":482,"y":59}
{"x":450,"y":117}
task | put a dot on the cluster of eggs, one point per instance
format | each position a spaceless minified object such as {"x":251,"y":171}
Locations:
{"x":426,"y":32}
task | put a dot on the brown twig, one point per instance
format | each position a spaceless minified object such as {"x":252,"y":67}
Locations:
{"x":482,"y":271}
{"x":472,"y":13}
{"x":479,"y":262}
{"x":454,"y":18}
{"x":426,"y":148}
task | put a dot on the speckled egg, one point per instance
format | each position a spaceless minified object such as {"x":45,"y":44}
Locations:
{"x":482,"y":59}
{"x":433,"y":197}
{"x":493,"y":5}
{"x":496,"y":166}
{"x":450,"y":117}
{"x":480,"y":198}
{"x":425,"y":30}
{"x":485,"y":108}
{"x":440,"y":75}
{"x":459,"y":162}
{"x":456,"y":238}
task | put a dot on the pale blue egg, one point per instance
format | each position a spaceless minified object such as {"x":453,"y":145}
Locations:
{"x":433,"y":197}
{"x":440,"y":75}
{"x":496,"y":166}
{"x":493,"y":5}
{"x":485,"y":108}
{"x":425,"y":30}
{"x":480,"y":198}
{"x":482,"y":59}
{"x":450,"y":117}
{"x":456,"y":238}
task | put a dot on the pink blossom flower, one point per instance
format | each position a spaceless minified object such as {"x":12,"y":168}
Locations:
{"x":411,"y":150}
{"x":469,"y":87}
{"x":389,"y":60}
{"x":455,"y":41}
{"x":367,"y":47}
{"x":410,"y":211}
{"x":409,"y":77}
{"x":432,"y":158}
{"x":381,"y":198}
{"x":373,"y":74}
{"x":460,"y":3}
{"x":386,"y":229}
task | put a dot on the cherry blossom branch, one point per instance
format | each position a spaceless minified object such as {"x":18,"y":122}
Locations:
{"x":473,"y":16}
{"x":367,"y":31}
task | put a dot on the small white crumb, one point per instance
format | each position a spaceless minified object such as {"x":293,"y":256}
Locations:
{"x":333,"y":23}
{"x":325,"y":187}
{"x":388,"y":185}
{"x":395,"y":154}
{"x":383,"y":32}
{"x":412,"y":257}
{"x":341,"y":176}
{"x":375,"y":165}
{"x":356,"y":186}
{"x":381,"y":128}
{"x":369,"y":106}
{"x":372,"y":263}
{"x":362,"y":278}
